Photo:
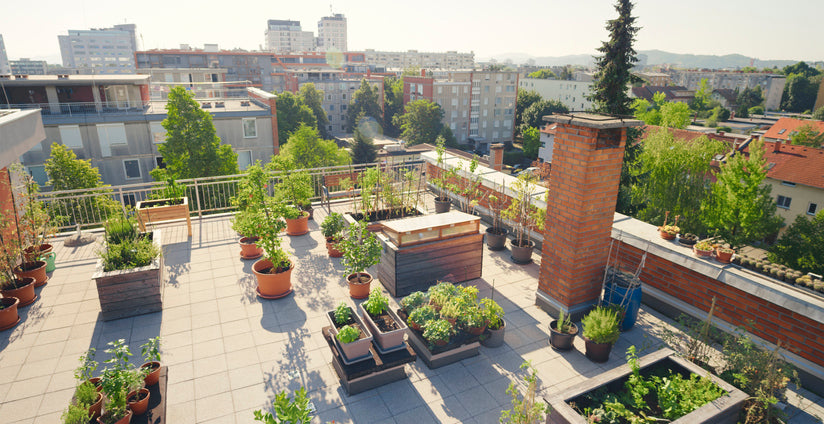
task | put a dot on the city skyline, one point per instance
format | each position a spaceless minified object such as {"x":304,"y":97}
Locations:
{"x":525,"y":26}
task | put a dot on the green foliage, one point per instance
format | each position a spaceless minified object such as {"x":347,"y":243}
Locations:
{"x":513,"y":157}
{"x":613,"y":67}
{"x":543,"y":74}
{"x":125,"y":247}
{"x":87,"y":366}
{"x":421,"y":122}
{"x":756,"y":110}
{"x":287,"y":410}
{"x":663,"y":162}
{"x":525,"y":410}
{"x":363,"y":149}
{"x":192,"y":148}
{"x":421,"y":315}
{"x":800,"y":245}
{"x":295,"y":187}
{"x":365,"y":103}
{"x":739,"y":208}
{"x":702,"y":96}
{"x":377,"y":302}
{"x":34,"y":224}
{"x":493,"y":313}
{"x":66,"y":172}
{"x":332,"y":225}
{"x":533,"y":116}
{"x":438,"y":330}
{"x":392,"y":105}
{"x":564,"y":324}
{"x":661,"y":112}
{"x":292,"y":113}
{"x":342,"y":313}
{"x":307,"y":150}
{"x":85,"y":393}
{"x":360,"y":248}
{"x":800,"y":92}
{"x":801,"y":68}
{"x":532,"y":141}
{"x":521,"y":211}
{"x":348,"y":334}
{"x":118,"y":378}
{"x":313,"y":98}
{"x":524,"y":100}
{"x":414,"y":301}
{"x":76,"y":414}
{"x":441,"y":293}
{"x":807,"y":135}
{"x":818,"y":115}
{"x":747,"y":98}
{"x":694,"y":339}
{"x":601,"y":325}
{"x":150,"y":351}
{"x":121,"y":228}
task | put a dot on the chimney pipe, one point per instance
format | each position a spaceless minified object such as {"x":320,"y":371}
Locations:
{"x":423,"y":72}
{"x":777,"y":147}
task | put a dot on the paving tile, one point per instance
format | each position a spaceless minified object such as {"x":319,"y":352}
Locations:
{"x":212,"y":407}
{"x":368,"y":410}
{"x":211,"y":384}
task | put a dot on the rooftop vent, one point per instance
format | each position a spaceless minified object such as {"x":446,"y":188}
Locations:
{"x":21,"y":76}
{"x":62,"y":76}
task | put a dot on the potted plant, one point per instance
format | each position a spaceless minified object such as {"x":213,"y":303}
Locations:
{"x":11,"y":285}
{"x":600,"y":333}
{"x":351,"y":335}
{"x":525,"y":217}
{"x":414,"y":301}
{"x":438,"y":332}
{"x":524,"y":410}
{"x":495,"y":324}
{"x":383,"y":323}
{"x":76,"y":414}
{"x":703,"y":249}
{"x":562,"y":332}
{"x":442,"y":202}
{"x":244,"y":223}
{"x":87,"y":395}
{"x":420,"y":316}
{"x":151,"y":358}
{"x":294,"y":190}
{"x":332,"y":228}
{"x":688,"y":239}
{"x":668,"y":232}
{"x":34,"y":227}
{"x":249,"y":200}
{"x":441,"y":293}
{"x":116,"y":378}
{"x":724,"y":254}
{"x":287,"y":411}
{"x":166,"y":204}
{"x":474,"y":321}
{"x":496,"y":234}
{"x":274,"y":271}
{"x":452,"y":310}
{"x":361,"y":249}
{"x":137,"y":396}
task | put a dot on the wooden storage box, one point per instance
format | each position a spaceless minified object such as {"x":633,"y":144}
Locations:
{"x":148,"y":214}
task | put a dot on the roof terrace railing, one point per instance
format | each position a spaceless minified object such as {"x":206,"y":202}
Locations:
{"x":82,"y":108}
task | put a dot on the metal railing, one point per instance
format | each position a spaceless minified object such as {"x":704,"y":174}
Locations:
{"x":83,"y":108}
{"x":210,"y":195}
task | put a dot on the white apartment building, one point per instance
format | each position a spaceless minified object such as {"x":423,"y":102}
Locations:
{"x":4,"y":58}
{"x":332,"y":33}
{"x":287,"y":36}
{"x":573,"y":94}
{"x":100,"y":51}
{"x":772,"y":85}
{"x":413,"y":58}
{"x":337,"y":94}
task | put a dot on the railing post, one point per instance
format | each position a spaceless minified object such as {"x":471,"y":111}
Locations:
{"x":122,"y":200}
{"x":197,"y":196}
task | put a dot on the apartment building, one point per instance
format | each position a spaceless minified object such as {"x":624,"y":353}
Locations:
{"x":399,"y":60}
{"x":112,"y":121}
{"x":654,"y":78}
{"x":4,"y":58}
{"x":100,"y":51}
{"x":26,"y":66}
{"x":332,"y":33}
{"x":772,"y":85}
{"x":287,"y":36}
{"x":573,"y":94}
{"x":479,"y":106}
{"x":205,"y":83}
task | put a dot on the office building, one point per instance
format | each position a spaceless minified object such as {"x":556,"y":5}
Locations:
{"x":100,"y":51}
{"x":287,"y":36}
{"x":26,"y":66}
{"x":332,"y":33}
{"x":451,"y":60}
{"x":573,"y":94}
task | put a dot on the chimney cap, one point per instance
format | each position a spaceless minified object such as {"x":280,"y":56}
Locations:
{"x":593,"y":120}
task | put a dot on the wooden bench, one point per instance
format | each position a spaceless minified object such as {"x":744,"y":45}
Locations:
{"x":334,"y":180}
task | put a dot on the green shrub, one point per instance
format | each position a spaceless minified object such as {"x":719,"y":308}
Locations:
{"x":342,"y":313}
{"x":414,"y":301}
{"x":513,"y":157}
{"x":493,"y":313}
{"x":76,"y":414}
{"x":348,"y":334}
{"x":85,"y":393}
{"x":121,"y":228}
{"x":129,"y":254}
{"x":422,"y":315}
{"x":438,"y":330}
{"x":377,"y":302}
{"x":601,"y":325}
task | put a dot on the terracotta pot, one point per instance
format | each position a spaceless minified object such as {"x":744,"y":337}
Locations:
{"x":415,"y":326}
{"x":153,"y":376}
{"x":125,"y":420}
{"x":248,"y":248}
{"x":495,"y":337}
{"x":36,"y":270}
{"x":8,"y":315}
{"x":97,"y":407}
{"x":139,"y":407}
{"x":476,"y":331}
{"x":559,"y":340}
{"x":666,"y":236}
{"x":597,"y":352}
{"x":442,"y":206}
{"x":724,"y":258}
{"x":496,"y":238}
{"x":96,"y":382}
{"x":359,"y":290}
{"x":702,"y":253}
{"x":31,"y":254}
{"x":25,"y":293}
{"x":440,"y":342}
{"x":521,"y":255}
{"x":298,"y":227}
{"x":272,"y":286}
{"x":332,"y":248}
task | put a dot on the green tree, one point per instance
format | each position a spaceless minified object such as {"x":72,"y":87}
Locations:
{"x":818,"y":115}
{"x":719,"y":114}
{"x":661,"y":112}
{"x":543,"y":74}
{"x":524,"y":100}
{"x":292,"y":112}
{"x":747,"y":98}
{"x":801,"y":68}
{"x":421,"y":122}
{"x":702,"y":96}
{"x":392,"y":105}
{"x":739,"y":208}
{"x":67,"y":172}
{"x":307,"y":150}
{"x":612,"y":77}
{"x":312,"y":97}
{"x":800,"y":92}
{"x":800,"y":246}
{"x":807,"y":135}
{"x":365,"y":103}
{"x":192,"y":148}
{"x":674,"y":176}
{"x":566,"y":73}
{"x":448,"y":137}
{"x":533,"y":116}
{"x":532,"y":141}
{"x":363,"y":150}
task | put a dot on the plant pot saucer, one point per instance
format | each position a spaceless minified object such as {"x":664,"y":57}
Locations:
{"x":12,"y":324}
{"x":520,"y":262}
{"x":390,"y":350}
{"x":251,"y":257}
{"x":257,"y":290}
{"x":297,"y":234}
{"x":29,"y":302}
{"x":42,"y":283}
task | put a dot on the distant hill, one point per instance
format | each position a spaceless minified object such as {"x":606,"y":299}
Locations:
{"x":651,"y":57}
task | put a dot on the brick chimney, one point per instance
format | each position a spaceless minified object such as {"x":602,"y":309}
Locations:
{"x":777,"y":146}
{"x":586,"y":170}
{"x":423,"y":72}
{"x":496,"y":156}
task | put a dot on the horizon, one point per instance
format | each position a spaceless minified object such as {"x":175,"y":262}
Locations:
{"x":488,"y":30}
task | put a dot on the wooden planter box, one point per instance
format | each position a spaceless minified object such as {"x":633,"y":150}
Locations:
{"x":377,"y":226}
{"x":147,"y":214}
{"x":137,"y":291}
{"x":722,"y":410}
{"x":418,"y":252}
{"x":461,"y":346}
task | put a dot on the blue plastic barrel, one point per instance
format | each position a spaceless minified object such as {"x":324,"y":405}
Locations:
{"x":614,"y":294}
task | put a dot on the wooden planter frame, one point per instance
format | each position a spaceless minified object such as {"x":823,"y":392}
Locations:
{"x":155,"y":214}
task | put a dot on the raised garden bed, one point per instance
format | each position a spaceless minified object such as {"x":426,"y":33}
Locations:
{"x":376,"y":220}
{"x":131,"y":292}
{"x":377,"y":371}
{"x":460,"y":346}
{"x":722,"y":410}
{"x":162,"y":210}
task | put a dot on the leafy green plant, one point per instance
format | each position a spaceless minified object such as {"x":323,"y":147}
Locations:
{"x":493,"y":313}
{"x":525,"y":410}
{"x":85,"y":393}
{"x":129,"y":254}
{"x":414,"y":301}
{"x":703,"y":245}
{"x":440,"y":181}
{"x":441,"y":293}
{"x":438,"y":330}
{"x":360,"y":248}
{"x":521,"y":210}
{"x":601,"y":325}
{"x":377,"y":302}
{"x":474,"y":318}
{"x":420,"y":316}
{"x":88,"y":365}
{"x":151,"y":350}
{"x":342,"y":313}
{"x":564,"y":323}
{"x":332,"y":225}
{"x":453,"y":309}
{"x":287,"y":410}
{"x":76,"y":414}
{"x":116,"y":379}
{"x":348,"y":334}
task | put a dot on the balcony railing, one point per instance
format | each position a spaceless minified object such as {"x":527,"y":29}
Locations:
{"x":82,"y":108}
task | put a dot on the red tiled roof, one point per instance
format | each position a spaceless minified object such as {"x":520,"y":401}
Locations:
{"x":788,"y":125}
{"x":795,"y":164}
{"x":549,"y":128}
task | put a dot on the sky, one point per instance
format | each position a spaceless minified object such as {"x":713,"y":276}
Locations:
{"x":786,"y":30}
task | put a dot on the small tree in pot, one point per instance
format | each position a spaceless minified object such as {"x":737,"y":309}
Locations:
{"x":273,"y":272}
{"x":442,"y":202}
{"x":525,"y":216}
{"x":249,"y":201}
{"x":294,"y":189}
{"x":10,"y":284}
{"x":496,"y":234}
{"x":495,"y":324}
{"x":562,"y":332}
{"x":600,"y":332}
{"x":332,"y":227}
{"x":361,"y":249}
{"x":35,"y":225}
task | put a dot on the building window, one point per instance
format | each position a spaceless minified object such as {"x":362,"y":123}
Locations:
{"x":38,"y":172}
{"x":244,"y":159}
{"x":132,"y":168}
{"x":783,"y":202}
{"x":112,"y":133}
{"x":788,"y":183}
{"x":70,"y":136}
{"x":158,"y":132}
{"x":812,"y":208}
{"x":249,"y":127}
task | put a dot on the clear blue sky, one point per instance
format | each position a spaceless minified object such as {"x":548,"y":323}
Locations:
{"x":763,"y":29}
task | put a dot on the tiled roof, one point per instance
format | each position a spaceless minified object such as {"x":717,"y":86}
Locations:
{"x":672,"y":92}
{"x":549,"y":128}
{"x":795,"y":164}
{"x":782,"y":129}
{"x":726,"y":93}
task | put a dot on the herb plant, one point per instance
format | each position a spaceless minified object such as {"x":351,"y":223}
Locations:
{"x":493,"y":313}
{"x":377,"y":302}
{"x":414,"y":301}
{"x":85,"y":393}
{"x":601,"y":325}
{"x":360,"y":248}
{"x":76,"y":414}
{"x":564,"y":323}
{"x":438,"y":330}
{"x":422,"y":315}
{"x":348,"y":334}
{"x":87,"y":365}
{"x":441,"y":293}
{"x":332,"y":225}
{"x":342,"y":313}
{"x":287,"y":410}
{"x":151,"y":350}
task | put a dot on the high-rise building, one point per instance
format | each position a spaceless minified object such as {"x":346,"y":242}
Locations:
{"x":4,"y":58}
{"x":26,"y":66}
{"x":332,"y":33}
{"x":287,"y":36}
{"x":100,"y":50}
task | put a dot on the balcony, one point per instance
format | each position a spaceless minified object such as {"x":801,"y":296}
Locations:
{"x":83,"y":108}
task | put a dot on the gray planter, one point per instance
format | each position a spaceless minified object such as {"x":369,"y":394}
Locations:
{"x":359,"y":349}
{"x":494,"y":240}
{"x":389,"y":340}
{"x":521,"y":255}
{"x":495,"y":337}
{"x":442,"y":206}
